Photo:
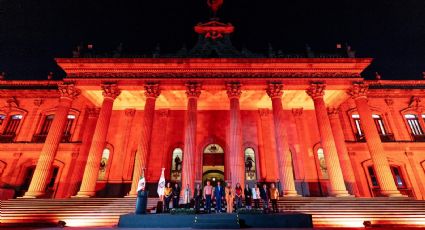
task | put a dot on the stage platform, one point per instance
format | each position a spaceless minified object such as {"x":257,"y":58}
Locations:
{"x":217,"y":221}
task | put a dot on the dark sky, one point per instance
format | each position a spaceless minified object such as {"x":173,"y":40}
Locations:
{"x":33,"y":32}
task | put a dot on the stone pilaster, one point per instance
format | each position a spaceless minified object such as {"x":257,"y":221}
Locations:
{"x":152,"y":91}
{"x":237,"y":159}
{"x":43,"y":169}
{"x":91,"y":171}
{"x":410,"y":156}
{"x":337,"y":188}
{"x":193,"y":91}
{"x":32,"y":117}
{"x":380,"y":162}
{"x":283,"y":155}
{"x":344,"y":158}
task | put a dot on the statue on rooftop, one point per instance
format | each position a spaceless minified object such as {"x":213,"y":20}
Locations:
{"x":214,"y":5}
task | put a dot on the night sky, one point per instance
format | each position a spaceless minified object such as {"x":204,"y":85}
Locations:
{"x":33,"y":32}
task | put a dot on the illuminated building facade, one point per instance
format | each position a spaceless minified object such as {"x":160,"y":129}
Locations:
{"x":212,"y":112}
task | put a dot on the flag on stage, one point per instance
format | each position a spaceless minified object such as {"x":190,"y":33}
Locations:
{"x":142,"y":183}
{"x":161,"y":184}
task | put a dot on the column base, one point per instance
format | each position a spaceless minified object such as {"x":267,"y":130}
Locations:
{"x":131,"y":196}
{"x":291,"y":194}
{"x":84,"y":195}
{"x":343,"y":193}
{"x":32,"y":194}
{"x":392,"y":193}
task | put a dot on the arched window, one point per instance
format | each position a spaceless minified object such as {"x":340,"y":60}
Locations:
{"x":250,"y":165}
{"x":104,"y":164}
{"x":9,"y":133}
{"x":322,"y":163}
{"x":176,"y":164}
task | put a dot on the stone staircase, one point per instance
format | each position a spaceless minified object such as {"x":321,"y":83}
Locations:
{"x":327,"y":212}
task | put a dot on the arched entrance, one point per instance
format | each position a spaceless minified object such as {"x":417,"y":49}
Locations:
{"x":213,"y":164}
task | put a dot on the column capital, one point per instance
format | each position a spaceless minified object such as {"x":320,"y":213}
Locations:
{"x":110,"y":90}
{"x":93,"y":111}
{"x":333,"y":112}
{"x":264,"y":112}
{"x":68,"y":90}
{"x":389,"y":102}
{"x":297,"y":112}
{"x":193,"y":89}
{"x":274,"y":89}
{"x":17,"y":155}
{"x":129,"y":112}
{"x":233,"y":89}
{"x":38,"y":102}
{"x":152,"y":90}
{"x":358,"y":90}
{"x":316,"y":90}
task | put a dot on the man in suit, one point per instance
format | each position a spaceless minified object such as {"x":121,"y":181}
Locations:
{"x":264,"y":194}
{"x":198,"y":197}
{"x":219,"y":196}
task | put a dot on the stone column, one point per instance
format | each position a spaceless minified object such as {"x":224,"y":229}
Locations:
{"x":193,"y":91}
{"x":91,"y":171}
{"x":127,"y":172}
{"x":152,"y":91}
{"x":90,"y":125}
{"x":344,"y":158}
{"x":380,"y":162}
{"x":263,"y":115}
{"x":283,"y":155}
{"x":337,"y":186}
{"x":237,"y":158}
{"x":43,"y":169}
{"x":410,"y":156}
{"x":393,"y":119}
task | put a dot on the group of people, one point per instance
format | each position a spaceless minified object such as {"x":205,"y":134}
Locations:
{"x":232,"y":196}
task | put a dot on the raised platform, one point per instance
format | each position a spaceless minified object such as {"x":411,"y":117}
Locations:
{"x":217,"y":221}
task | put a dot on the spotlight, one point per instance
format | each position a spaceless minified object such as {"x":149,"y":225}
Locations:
{"x":61,"y":224}
{"x":367,"y":224}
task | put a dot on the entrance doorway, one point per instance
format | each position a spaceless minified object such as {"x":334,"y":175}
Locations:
{"x":213,"y":164}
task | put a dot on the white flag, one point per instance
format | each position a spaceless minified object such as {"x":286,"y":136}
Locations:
{"x":142,"y":183}
{"x":161,"y":184}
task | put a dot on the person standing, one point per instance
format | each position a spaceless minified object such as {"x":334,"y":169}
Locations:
{"x":186,"y":196}
{"x":218,"y":194}
{"x":208,"y":191}
{"x":229,"y":193}
{"x":167,"y":195}
{"x":264,"y":194}
{"x":176,"y":195}
{"x":279,"y":187}
{"x":274,"y":196}
{"x":198,"y":197}
{"x":238,"y":196}
{"x":256,"y":196}
{"x":248,"y":196}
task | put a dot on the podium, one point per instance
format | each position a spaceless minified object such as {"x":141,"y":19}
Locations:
{"x":141,"y":202}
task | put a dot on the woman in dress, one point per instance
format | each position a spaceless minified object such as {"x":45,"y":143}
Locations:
{"x":229,"y":197}
{"x":238,"y":196}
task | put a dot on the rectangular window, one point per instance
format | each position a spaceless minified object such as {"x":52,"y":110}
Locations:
{"x":413,"y":122}
{"x":379,"y":124}
{"x":46,"y":125}
{"x":373,"y":176}
{"x":12,"y":125}
{"x":53,"y":178}
{"x":398,"y":179}
{"x":68,"y":128}
{"x":2,"y":117}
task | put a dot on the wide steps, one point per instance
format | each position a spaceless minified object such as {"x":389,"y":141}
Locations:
{"x":326,"y":212}
{"x":220,"y":221}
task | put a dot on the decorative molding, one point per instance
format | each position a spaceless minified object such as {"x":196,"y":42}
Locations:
{"x":316,"y":90}
{"x":12,"y":103}
{"x":414,"y":102}
{"x":193,"y":89}
{"x":409,"y":154}
{"x":130,"y":112}
{"x":234,"y":90}
{"x":38,"y":102}
{"x":359,"y":89}
{"x":264,"y":112}
{"x":110,"y":90}
{"x":163,"y":113}
{"x":389,"y":102}
{"x":297,"y":112}
{"x":333,"y":112}
{"x":74,"y":155}
{"x":275,"y":90}
{"x":17,"y":155}
{"x":152,"y":90}
{"x":93,"y":111}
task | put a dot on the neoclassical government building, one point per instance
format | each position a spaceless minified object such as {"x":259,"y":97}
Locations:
{"x":212,"y":112}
